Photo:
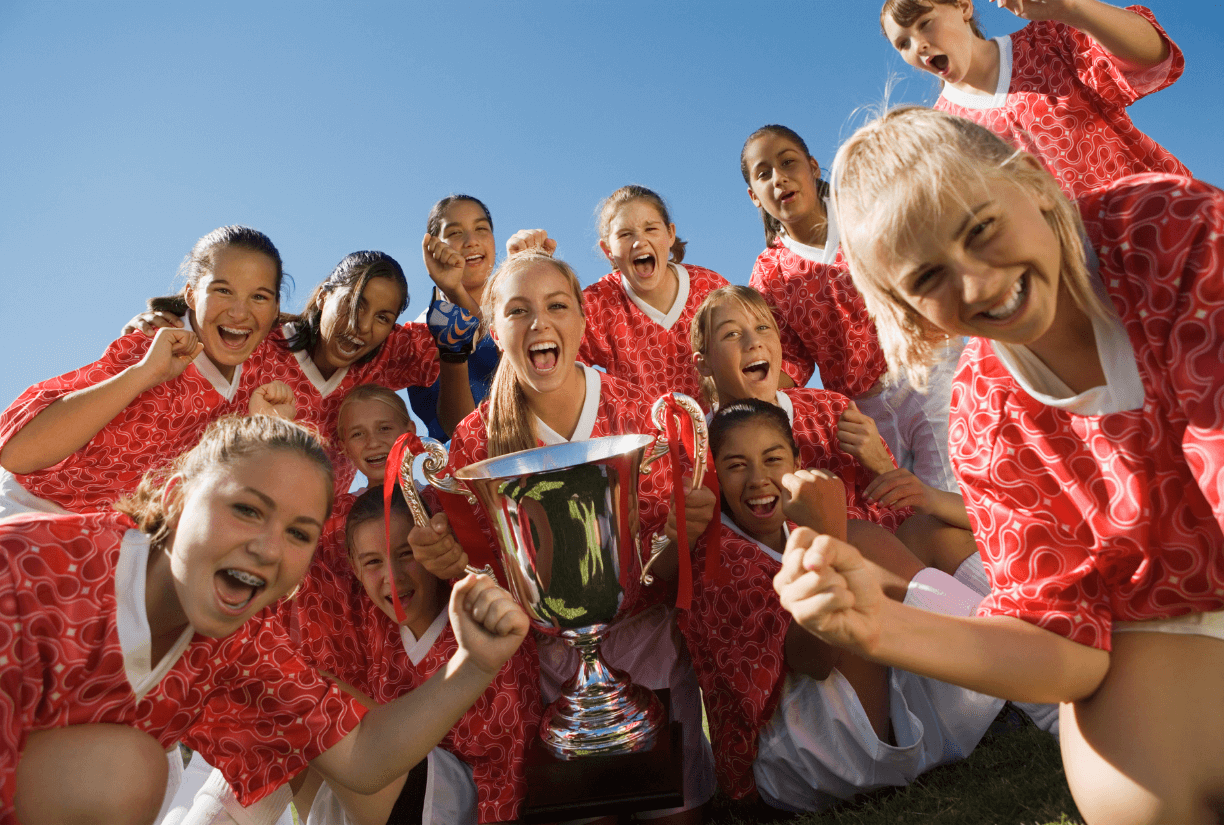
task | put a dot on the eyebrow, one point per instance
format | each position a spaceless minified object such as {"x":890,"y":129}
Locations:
{"x":554,"y":294}
{"x":917,"y":270}
{"x":271,"y":505}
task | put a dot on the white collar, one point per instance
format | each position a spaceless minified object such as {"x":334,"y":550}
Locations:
{"x":677,"y":307}
{"x":826,"y":254}
{"x":208,"y":370}
{"x":730,"y":524}
{"x":417,"y":648}
{"x":132,"y":620}
{"x":586,"y":421}
{"x":974,"y":100}
{"x":325,"y":386}
{"x":784,"y":401}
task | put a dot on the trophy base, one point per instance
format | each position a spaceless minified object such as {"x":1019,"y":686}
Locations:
{"x":605,"y":719}
{"x":652,"y":779}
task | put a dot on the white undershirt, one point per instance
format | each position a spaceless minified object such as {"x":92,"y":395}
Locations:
{"x":826,"y":254}
{"x":417,"y":648}
{"x":325,"y":386}
{"x":664,"y":320}
{"x":586,"y":421}
{"x":977,"y":100}
{"x":211,"y":374}
{"x":132,"y":620}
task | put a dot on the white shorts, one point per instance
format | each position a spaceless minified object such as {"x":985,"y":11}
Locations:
{"x":450,"y":795}
{"x":15,"y":499}
{"x":1195,"y":624}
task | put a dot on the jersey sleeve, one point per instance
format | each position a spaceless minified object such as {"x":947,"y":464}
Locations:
{"x":596,"y":349}
{"x":409,"y":358}
{"x":767,"y":280}
{"x":1110,"y":77}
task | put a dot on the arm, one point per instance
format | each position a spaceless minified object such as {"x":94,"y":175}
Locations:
{"x":531,"y":239}
{"x":900,"y":488}
{"x":71,"y":421}
{"x":699,"y":508}
{"x":833,"y":592}
{"x":455,"y":401}
{"x":1125,"y":35}
{"x":858,"y":436}
{"x":445,"y":268}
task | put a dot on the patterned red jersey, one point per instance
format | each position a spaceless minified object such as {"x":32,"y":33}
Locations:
{"x":248,"y":702}
{"x":1084,"y":520}
{"x":654,"y":353}
{"x":1063,"y":97}
{"x":822,"y":319}
{"x":159,"y":424}
{"x":408,"y":358}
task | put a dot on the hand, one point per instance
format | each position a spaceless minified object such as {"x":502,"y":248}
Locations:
{"x":171,"y":352}
{"x":858,"y":436}
{"x":273,"y":398}
{"x":530,"y":239}
{"x":815,"y":499}
{"x":699,"y":508}
{"x":150,"y":322}
{"x":831,"y":591}
{"x":445,"y":267}
{"x":900,"y":488}
{"x":437,"y":549}
{"x":489,"y":625}
{"x":1035,"y":9}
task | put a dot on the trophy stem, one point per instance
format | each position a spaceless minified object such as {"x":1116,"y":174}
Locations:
{"x":600,"y":711}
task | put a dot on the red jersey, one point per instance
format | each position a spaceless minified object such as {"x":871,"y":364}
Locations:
{"x":1087,"y":519}
{"x":71,"y":606}
{"x":160,"y":424}
{"x":1062,"y":97}
{"x":822,"y":319}
{"x":635,"y":342}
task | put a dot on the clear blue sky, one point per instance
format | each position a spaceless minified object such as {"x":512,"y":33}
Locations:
{"x":131,"y":129}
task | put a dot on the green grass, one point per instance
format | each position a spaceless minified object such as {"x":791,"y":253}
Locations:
{"x":1012,"y":778}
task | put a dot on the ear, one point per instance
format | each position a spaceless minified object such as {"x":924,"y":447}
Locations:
{"x":752,"y":197}
{"x":966,"y":10}
{"x":815,"y":168}
{"x":607,"y":251}
{"x":671,"y":234}
{"x":189,"y":298}
{"x":172,"y":498}
{"x":703,"y":366}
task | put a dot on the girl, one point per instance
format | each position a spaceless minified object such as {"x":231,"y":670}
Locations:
{"x":80,"y":441}
{"x":170,"y":640}
{"x":802,"y":723}
{"x":533,"y":307}
{"x":822,"y":318}
{"x":1058,"y":88}
{"x":640,"y":314}
{"x":459,"y":251}
{"x":1090,"y":449}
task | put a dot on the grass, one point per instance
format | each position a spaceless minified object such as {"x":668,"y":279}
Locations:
{"x":1012,"y":778}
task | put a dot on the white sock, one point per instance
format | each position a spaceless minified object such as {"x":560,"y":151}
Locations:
{"x":972,"y":573}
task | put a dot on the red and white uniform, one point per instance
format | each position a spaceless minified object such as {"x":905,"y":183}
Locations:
{"x":75,"y":649}
{"x":159,"y":425}
{"x":813,"y":415}
{"x":635,"y":342}
{"x":1110,"y":509}
{"x":1062,"y":97}
{"x":408,"y":358}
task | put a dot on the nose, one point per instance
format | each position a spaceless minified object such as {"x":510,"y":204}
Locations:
{"x":364,"y":322}
{"x":267,"y":548}
{"x":980,"y":284}
{"x":402,"y":567}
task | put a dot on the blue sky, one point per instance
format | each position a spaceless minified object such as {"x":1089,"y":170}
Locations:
{"x":131,"y":129}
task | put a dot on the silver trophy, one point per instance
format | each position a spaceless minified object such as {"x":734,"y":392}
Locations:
{"x":566,"y":521}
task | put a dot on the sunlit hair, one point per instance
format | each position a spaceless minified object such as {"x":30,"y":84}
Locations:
{"x":612,"y":204}
{"x":374,"y":392}
{"x":773,"y":227}
{"x":747,"y":411}
{"x":906,"y":12}
{"x":201,"y":261}
{"x":369,"y":506}
{"x":433,"y":224}
{"x":347,"y":282}
{"x":227,"y":440}
{"x":896,"y":177}
{"x":510,"y":424}
{"x":701,"y":332}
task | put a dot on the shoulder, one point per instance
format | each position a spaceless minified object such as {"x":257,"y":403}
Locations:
{"x":79,"y":541}
{"x":704,"y":279}
{"x":623,"y":399}
{"x":605,"y":289}
{"x":811,"y":398}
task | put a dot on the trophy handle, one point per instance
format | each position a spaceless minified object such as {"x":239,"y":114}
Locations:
{"x":436,"y":457}
{"x":674,"y":403}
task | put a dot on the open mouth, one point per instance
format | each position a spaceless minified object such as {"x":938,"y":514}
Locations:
{"x":757,"y":370}
{"x":349,"y":346}
{"x":1012,"y":304}
{"x":405,"y":598}
{"x":938,"y":63}
{"x":786,"y":198}
{"x":236,"y":589}
{"x":644,"y":266}
{"x":375,"y":461}
{"x":762,"y":506}
{"x":233,"y":337}
{"x":544,"y":356}
{"x":474,"y":260}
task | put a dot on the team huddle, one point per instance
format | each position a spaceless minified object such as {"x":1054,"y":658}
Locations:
{"x":1009,"y":488}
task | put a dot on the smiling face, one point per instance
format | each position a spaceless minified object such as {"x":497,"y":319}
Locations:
{"x":234,"y":306}
{"x":939,"y":41}
{"x":466,"y":229}
{"x":782,"y":181}
{"x":419,"y":591}
{"x":367,"y":429}
{"x":743,"y":355}
{"x":343,"y":342}
{"x":990,"y":270}
{"x":538,"y":325}
{"x":244,"y":536}
{"x":750,"y":464}
{"x":638,"y":245}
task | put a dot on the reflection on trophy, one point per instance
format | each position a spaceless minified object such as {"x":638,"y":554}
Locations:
{"x":566,"y":521}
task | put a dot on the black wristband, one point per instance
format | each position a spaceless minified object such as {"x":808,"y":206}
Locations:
{"x":453,"y":357}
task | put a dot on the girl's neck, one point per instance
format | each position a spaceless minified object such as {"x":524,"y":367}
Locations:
{"x":226,"y":371}
{"x":1069,"y":346}
{"x":663,"y":296}
{"x":162,"y":607}
{"x":983,"y":75}
{"x":811,"y":229}
{"x":775,"y":540}
{"x":325,"y":369}
{"x":561,"y":408}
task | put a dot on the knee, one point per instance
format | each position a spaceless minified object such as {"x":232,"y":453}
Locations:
{"x":91,"y":773}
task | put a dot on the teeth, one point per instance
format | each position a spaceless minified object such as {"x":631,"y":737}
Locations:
{"x":755,"y":364}
{"x":541,"y":347}
{"x":376,"y":459}
{"x":761,"y":502}
{"x":233,"y":331}
{"x":643,"y":259}
{"x":1011,"y":305}
{"x":473,"y":258}
{"x":245,"y":577}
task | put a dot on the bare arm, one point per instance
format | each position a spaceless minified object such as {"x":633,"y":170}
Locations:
{"x":455,"y":401}
{"x":899,"y":488}
{"x":1124,"y":34}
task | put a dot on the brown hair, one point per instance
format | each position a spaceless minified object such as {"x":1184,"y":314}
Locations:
{"x":745,"y":411}
{"x":701,"y":330}
{"x":509,"y":423}
{"x":906,"y":12}
{"x":773,"y":227}
{"x":369,"y":506}
{"x":612,"y":204}
{"x":901,"y":173}
{"x":433,"y":224}
{"x":374,"y":392}
{"x":227,"y":440}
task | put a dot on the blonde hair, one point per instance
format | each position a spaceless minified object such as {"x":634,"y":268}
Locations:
{"x":509,"y":422}
{"x":374,"y":392}
{"x":226,"y":441}
{"x":897,"y":176}
{"x":702,"y":329}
